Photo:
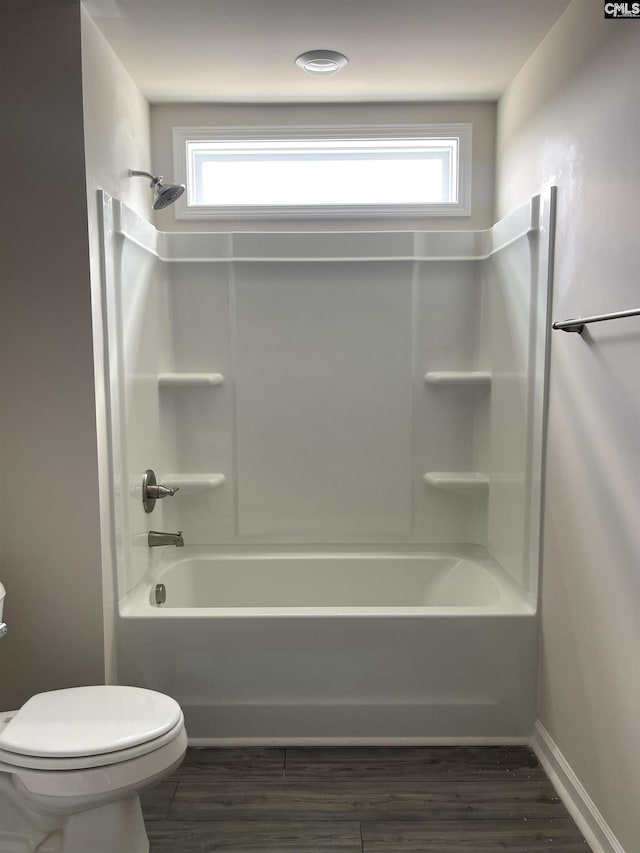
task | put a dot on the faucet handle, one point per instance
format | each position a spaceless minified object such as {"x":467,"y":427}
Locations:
{"x":159,"y":491}
{"x":152,"y":491}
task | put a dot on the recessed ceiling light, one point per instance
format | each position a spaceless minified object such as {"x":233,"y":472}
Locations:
{"x":321,"y":61}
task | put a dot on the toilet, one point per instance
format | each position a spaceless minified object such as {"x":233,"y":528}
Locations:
{"x":73,"y":763}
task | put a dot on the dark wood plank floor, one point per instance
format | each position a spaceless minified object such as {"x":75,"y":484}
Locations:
{"x":361,"y":800}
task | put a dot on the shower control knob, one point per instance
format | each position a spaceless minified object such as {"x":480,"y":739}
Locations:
{"x":159,"y":491}
{"x":3,"y":630}
{"x":152,"y":491}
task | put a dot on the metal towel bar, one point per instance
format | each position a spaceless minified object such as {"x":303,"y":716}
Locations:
{"x":579,"y":323}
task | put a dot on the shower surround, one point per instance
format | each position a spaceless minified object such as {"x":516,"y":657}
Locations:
{"x":355,"y":425}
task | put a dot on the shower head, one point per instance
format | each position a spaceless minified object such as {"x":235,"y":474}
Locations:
{"x":164,"y":194}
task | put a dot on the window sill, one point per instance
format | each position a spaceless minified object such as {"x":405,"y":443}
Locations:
{"x":369,"y":211}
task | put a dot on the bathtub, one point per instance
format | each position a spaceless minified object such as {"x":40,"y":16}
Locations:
{"x":348,"y":647}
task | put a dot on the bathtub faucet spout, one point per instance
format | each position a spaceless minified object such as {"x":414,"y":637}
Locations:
{"x":156,"y":538}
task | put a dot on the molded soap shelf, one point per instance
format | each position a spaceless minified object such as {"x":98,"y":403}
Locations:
{"x":189,"y":380}
{"x":477,"y":378}
{"x":189,"y":484}
{"x":467,"y":482}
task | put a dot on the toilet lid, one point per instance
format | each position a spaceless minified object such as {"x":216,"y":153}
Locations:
{"x":89,"y":721}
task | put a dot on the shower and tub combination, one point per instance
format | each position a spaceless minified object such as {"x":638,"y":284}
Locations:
{"x":346,"y":429}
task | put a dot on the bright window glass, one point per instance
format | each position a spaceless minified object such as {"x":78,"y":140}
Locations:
{"x":272,"y":172}
{"x":301,"y":172}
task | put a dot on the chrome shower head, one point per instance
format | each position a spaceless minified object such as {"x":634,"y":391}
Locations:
{"x":164,"y":194}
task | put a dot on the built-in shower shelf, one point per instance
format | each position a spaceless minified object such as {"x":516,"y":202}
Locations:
{"x":476,"y":378}
{"x":467,"y":482}
{"x":189,"y":380}
{"x":189,"y":484}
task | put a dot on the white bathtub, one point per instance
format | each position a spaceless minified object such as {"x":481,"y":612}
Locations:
{"x":335,"y":647}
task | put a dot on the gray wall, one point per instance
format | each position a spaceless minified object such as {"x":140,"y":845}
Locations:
{"x":49,"y":518}
{"x":572,"y":118}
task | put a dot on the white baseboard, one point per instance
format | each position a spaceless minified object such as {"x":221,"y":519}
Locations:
{"x":247,"y":742}
{"x":570,"y":790}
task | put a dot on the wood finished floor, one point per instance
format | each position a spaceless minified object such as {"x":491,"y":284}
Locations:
{"x":362,"y":800}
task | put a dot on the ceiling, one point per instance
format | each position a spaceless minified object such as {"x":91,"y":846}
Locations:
{"x":244,"y":51}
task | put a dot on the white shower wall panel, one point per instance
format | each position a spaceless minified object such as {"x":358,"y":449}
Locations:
{"x":200,"y":317}
{"x":198,"y":433}
{"x":324,"y":424}
{"x":449,"y":304}
{"x":324,"y":393}
{"x":321,"y":426}
{"x":141,"y":318}
{"x":447,"y":310}
{"x":510,"y":320}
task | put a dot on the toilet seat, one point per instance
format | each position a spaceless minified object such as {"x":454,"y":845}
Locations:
{"x":85,"y":727}
{"x":86,"y":762}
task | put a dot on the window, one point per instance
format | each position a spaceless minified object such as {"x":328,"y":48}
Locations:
{"x":267,"y":172}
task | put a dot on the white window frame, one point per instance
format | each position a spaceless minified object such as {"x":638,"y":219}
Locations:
{"x":461,"y":207}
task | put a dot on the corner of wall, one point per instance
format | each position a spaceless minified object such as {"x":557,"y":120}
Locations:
{"x":583,"y":810}
{"x":116,"y":131}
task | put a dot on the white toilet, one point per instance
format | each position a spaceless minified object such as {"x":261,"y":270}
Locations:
{"x":73,"y":762}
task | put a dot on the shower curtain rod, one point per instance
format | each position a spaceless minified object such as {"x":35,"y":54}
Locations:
{"x":579,"y":323}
